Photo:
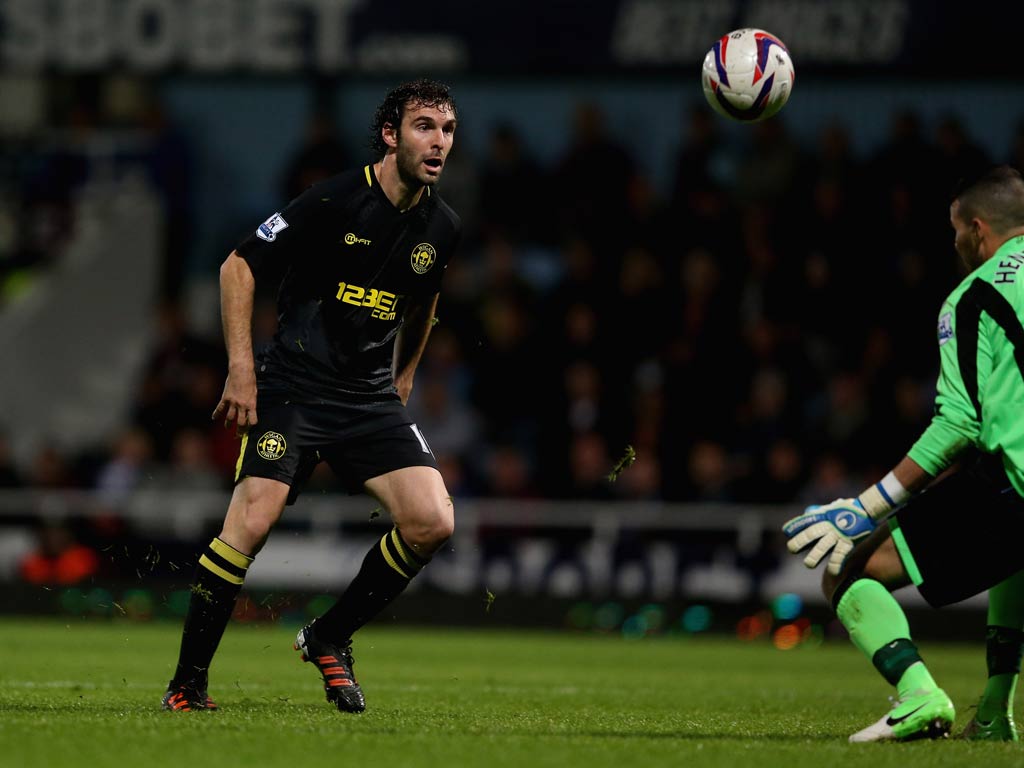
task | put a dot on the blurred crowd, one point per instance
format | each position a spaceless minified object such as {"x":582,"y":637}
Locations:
{"x":763,"y":331}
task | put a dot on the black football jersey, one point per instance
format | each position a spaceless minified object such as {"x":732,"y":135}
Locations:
{"x":348,"y":262}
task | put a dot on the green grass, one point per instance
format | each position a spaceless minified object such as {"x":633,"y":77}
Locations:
{"x":75,"y":693}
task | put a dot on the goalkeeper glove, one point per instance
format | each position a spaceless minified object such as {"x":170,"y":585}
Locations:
{"x":836,"y":527}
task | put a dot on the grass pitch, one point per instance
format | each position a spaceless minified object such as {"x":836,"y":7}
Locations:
{"x":77,"y":693}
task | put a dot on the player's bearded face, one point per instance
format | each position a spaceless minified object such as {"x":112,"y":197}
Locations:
{"x":967,"y":240}
{"x":423,"y":144}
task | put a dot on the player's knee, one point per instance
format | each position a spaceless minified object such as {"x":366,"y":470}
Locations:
{"x":443,"y":529}
{"x":436,"y":531}
{"x":256,"y":525}
{"x":250,"y":519}
{"x":430,"y":527}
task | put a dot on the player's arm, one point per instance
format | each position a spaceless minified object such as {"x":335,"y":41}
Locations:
{"x":237,"y":289}
{"x":836,"y":527}
{"x":955,"y":426}
{"x":265,"y":254}
{"x":965,"y":353}
{"x":411,"y":340}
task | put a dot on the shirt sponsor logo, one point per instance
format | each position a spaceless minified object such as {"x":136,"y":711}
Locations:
{"x":351,"y":239}
{"x":423,"y":258}
{"x":268,"y":229}
{"x":381,"y":302}
{"x":945,"y":327}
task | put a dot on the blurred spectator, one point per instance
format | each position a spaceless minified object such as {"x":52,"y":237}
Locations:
{"x":835,"y":160}
{"x":576,"y":407}
{"x":583,"y":397}
{"x":444,"y":360}
{"x":901,"y":408}
{"x":702,"y":373}
{"x":182,"y":380}
{"x":701,"y":164}
{"x":509,"y":177}
{"x":647,"y":222}
{"x":768,"y":280}
{"x":508,"y":475}
{"x":501,"y":272}
{"x":771,"y":167}
{"x":321,"y":156}
{"x":636,"y":330}
{"x":49,"y":468}
{"x":830,"y":478}
{"x":459,"y":479}
{"x":127,"y":467}
{"x":840,"y":416}
{"x":709,"y":473}
{"x":906,"y":158}
{"x":10,"y":476}
{"x":766,"y":416}
{"x":642,"y":480}
{"x":169,"y":163}
{"x":503,"y":387}
{"x":592,"y":183}
{"x":589,"y":464}
{"x":190,"y":467}
{"x":959,"y":157}
{"x":58,"y":558}
{"x":777,"y":476}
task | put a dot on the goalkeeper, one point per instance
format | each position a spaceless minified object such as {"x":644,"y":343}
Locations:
{"x":965,"y":533}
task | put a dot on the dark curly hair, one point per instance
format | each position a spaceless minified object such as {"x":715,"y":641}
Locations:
{"x":416,"y":93}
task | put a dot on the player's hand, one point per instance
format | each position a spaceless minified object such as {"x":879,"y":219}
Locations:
{"x":834,"y":527}
{"x":238,"y":403}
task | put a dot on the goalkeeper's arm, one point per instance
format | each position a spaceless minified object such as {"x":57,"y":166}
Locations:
{"x":838,"y":526}
{"x":906,"y":479}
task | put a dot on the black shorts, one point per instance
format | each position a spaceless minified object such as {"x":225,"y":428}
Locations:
{"x":963,"y":535}
{"x":291,"y":439}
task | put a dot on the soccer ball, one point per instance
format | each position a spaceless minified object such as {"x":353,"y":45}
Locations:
{"x":747,"y":75}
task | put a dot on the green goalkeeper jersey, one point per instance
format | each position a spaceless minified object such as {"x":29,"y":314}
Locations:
{"x":980,"y":393}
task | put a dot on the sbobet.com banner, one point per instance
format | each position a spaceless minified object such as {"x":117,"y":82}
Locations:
{"x":486,"y":38}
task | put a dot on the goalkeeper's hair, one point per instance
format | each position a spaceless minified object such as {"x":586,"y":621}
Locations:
{"x":414,"y":94}
{"x":995,"y":195}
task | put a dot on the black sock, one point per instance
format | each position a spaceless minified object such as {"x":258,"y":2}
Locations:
{"x":1004,"y":647}
{"x":387,"y":569}
{"x":219,"y":578}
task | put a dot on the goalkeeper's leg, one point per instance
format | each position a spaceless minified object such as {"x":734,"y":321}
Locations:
{"x":929,"y":543}
{"x":877,"y":625}
{"x":1004,"y":643}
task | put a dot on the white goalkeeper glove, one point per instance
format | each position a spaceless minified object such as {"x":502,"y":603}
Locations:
{"x":836,"y":527}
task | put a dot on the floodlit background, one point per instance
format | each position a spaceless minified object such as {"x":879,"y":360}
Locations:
{"x":749,"y":308}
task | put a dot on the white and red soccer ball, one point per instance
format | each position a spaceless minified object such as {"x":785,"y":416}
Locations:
{"x":747,"y":75}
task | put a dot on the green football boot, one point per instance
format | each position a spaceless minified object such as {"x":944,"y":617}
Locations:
{"x":999,"y":728}
{"x":922,"y":716}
